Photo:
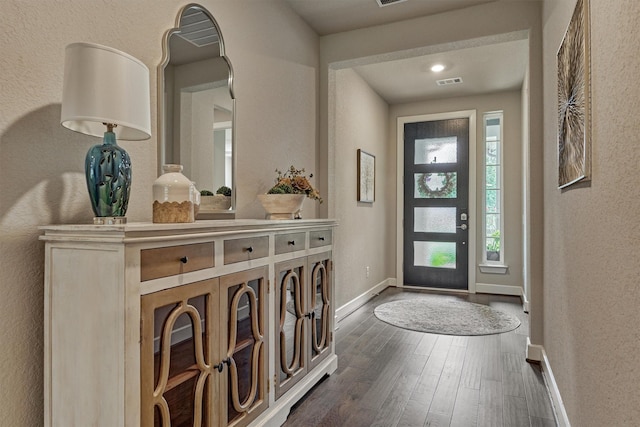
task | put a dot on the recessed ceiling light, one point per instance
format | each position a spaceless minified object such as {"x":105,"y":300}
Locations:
{"x":437,"y":68}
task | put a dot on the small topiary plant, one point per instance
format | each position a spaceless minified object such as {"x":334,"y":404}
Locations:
{"x":224,"y":190}
{"x":206,"y":193}
{"x":281,"y":189}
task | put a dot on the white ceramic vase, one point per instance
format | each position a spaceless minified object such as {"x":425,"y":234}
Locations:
{"x":281,"y":206}
{"x":173,"y":196}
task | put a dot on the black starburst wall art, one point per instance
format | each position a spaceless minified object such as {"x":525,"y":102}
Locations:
{"x":574,"y":136}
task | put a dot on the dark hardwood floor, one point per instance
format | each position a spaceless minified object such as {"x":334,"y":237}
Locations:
{"x":389,"y":376}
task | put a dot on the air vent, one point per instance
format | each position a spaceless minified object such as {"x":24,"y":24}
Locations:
{"x":383,"y":3}
{"x":452,"y":81}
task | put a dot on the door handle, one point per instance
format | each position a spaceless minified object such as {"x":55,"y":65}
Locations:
{"x":462,"y":227}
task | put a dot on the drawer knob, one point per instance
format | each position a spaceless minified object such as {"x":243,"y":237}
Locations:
{"x":291,"y":242}
{"x":321,"y":238}
{"x":249,"y":249}
{"x":184,"y":259}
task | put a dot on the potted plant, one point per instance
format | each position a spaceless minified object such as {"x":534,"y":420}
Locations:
{"x":221,"y":200}
{"x":493,"y":248}
{"x":284,"y":200}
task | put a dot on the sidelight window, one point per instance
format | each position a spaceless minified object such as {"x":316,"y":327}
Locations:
{"x":493,"y":201}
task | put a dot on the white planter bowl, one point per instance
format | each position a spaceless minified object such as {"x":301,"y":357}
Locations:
{"x":281,"y":206}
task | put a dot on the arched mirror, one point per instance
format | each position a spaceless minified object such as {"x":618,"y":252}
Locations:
{"x":197,"y":106}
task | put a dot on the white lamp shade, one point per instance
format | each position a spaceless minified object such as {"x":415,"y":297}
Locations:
{"x":104,"y":85}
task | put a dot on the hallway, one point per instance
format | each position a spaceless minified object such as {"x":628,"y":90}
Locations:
{"x":389,"y":376}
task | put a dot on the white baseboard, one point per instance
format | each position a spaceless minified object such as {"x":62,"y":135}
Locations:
{"x":525,"y":302}
{"x":348,"y":308}
{"x":489,"y":288}
{"x":558,"y":405}
{"x":536,"y":353}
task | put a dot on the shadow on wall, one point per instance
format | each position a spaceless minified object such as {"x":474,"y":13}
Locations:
{"x":42,"y":171}
{"x":41,"y":182}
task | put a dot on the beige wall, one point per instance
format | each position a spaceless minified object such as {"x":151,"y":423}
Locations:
{"x":591,"y":233}
{"x":509,"y":102}
{"x":365,"y":235}
{"x":275,"y":58}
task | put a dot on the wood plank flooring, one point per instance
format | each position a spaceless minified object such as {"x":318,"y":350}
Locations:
{"x":389,"y":376}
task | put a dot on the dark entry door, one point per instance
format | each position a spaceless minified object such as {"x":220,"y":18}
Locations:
{"x":436,"y":197}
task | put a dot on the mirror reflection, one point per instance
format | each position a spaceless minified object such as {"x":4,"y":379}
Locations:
{"x":197,"y":103}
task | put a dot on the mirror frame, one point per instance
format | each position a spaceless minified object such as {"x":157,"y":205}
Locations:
{"x":166,"y":57}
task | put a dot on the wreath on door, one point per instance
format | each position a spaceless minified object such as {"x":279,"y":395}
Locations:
{"x":429,"y":184}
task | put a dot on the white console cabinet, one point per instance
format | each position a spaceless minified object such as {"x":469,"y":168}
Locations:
{"x":213,"y":323}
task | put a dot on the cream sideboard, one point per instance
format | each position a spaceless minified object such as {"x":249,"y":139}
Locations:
{"x":221,"y":322}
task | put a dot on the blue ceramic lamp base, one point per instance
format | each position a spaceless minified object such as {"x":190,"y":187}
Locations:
{"x":108,"y":175}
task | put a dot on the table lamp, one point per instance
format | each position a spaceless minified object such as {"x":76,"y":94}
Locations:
{"x":105,"y":89}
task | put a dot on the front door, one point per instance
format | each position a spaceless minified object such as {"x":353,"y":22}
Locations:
{"x":436,"y":198}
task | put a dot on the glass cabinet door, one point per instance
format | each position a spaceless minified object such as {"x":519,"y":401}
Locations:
{"x":291,"y":312}
{"x":178,"y":382}
{"x":321,"y":324}
{"x":243,"y":308}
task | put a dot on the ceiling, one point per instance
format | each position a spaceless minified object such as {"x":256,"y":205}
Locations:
{"x":484,"y":69}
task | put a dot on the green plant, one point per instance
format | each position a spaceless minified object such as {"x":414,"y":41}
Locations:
{"x":206,"y":193}
{"x":224,"y":190}
{"x":494,"y":246}
{"x":293,"y":181}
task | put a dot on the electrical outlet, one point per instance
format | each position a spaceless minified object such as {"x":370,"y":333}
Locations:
{"x":367,"y":270}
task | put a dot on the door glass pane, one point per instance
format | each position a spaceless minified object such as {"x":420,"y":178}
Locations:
{"x":493,"y":224}
{"x":181,"y":355}
{"x":493,"y":153}
{"x":493,"y":201}
{"x":246,"y":377}
{"x":320,"y":325}
{"x":292,"y":310}
{"x":436,"y":185}
{"x":434,"y":220}
{"x":436,"y":150}
{"x":493,"y":129}
{"x":434,"y":254}
{"x":493,"y":177}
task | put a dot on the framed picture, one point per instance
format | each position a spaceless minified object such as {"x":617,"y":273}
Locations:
{"x":366,"y":177}
{"x":574,"y":103}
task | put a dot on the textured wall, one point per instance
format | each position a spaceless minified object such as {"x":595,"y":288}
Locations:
{"x":509,"y":102}
{"x":275,"y":58}
{"x":591,"y":233}
{"x":365,"y":228}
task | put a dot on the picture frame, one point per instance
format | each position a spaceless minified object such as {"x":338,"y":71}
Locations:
{"x":574,"y":100}
{"x":366,"y":177}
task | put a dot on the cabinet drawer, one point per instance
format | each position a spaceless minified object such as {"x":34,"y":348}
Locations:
{"x":319,"y":238}
{"x":172,"y":260}
{"x":289,"y":242}
{"x":238,"y":250}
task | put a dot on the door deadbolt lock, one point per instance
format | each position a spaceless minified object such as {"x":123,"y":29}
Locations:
{"x":463,"y":217}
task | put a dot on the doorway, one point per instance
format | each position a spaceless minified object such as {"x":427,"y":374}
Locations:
{"x":436,"y":210}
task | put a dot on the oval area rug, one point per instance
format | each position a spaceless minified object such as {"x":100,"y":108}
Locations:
{"x":445,"y":316}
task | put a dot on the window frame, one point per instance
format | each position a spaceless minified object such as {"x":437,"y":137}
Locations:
{"x":500,"y":190}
